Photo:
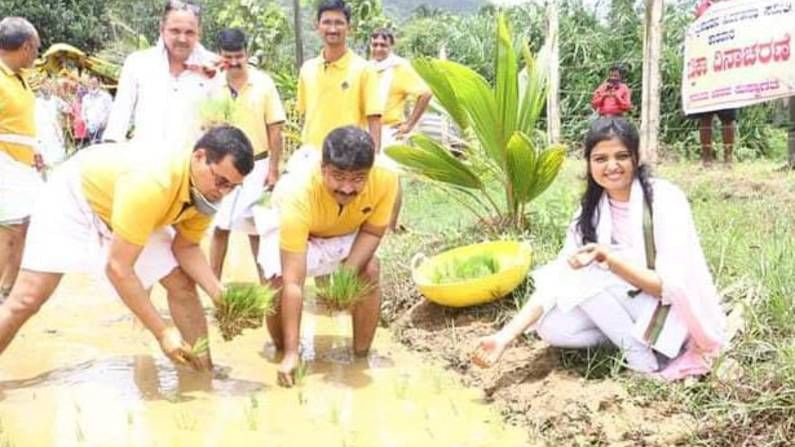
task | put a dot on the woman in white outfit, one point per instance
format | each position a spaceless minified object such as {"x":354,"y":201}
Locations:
{"x":631,"y":272}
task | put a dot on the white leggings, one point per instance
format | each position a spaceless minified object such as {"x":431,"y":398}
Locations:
{"x":607,"y":317}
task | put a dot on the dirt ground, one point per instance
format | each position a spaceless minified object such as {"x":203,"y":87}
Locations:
{"x":531,"y":388}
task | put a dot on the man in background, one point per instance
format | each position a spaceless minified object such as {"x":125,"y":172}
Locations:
{"x":613,"y":97}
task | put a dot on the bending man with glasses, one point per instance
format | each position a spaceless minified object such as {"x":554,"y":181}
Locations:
{"x":135,"y":219}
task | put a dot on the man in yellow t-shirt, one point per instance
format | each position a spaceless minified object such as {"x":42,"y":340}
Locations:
{"x":257,"y":110}
{"x":397,"y":83}
{"x":338,"y":88}
{"x":333,"y":215}
{"x":136,"y":217}
{"x":19,"y":180}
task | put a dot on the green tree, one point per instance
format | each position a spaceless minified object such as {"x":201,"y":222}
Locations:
{"x":507,"y":146}
{"x":81,"y":23}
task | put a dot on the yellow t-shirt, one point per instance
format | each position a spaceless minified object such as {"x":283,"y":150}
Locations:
{"x":336,"y":94}
{"x":17,"y":108}
{"x":256,"y":106}
{"x":307,"y":208}
{"x":136,"y":192}
{"x":406,"y":83}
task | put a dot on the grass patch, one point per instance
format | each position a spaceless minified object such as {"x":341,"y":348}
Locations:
{"x":243,"y":306}
{"x":343,"y":289}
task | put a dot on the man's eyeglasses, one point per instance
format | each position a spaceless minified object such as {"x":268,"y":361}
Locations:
{"x":220,"y":181}
{"x":179,"y":5}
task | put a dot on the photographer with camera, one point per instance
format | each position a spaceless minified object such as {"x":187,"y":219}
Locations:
{"x":613,"y":97}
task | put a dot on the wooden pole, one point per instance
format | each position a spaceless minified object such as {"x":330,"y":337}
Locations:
{"x":553,"y":95}
{"x":650,"y":111}
{"x":791,"y":139}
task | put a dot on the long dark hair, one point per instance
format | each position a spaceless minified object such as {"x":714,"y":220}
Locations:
{"x":605,"y":129}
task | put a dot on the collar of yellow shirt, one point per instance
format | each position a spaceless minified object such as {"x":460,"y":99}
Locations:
{"x":341,"y":63}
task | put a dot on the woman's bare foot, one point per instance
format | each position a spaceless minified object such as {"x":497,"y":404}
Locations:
{"x":489,"y":350}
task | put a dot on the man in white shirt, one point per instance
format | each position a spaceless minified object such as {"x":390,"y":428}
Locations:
{"x":96,"y":109}
{"x":161,"y":88}
{"x":50,"y":109}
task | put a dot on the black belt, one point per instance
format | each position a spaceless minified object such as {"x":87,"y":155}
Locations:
{"x":261,"y":156}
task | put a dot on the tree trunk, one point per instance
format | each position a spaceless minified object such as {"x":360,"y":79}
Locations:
{"x":791,"y":139}
{"x":299,"y":39}
{"x":650,"y":111}
{"x":553,"y":95}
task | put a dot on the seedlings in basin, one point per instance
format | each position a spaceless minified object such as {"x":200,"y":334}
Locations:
{"x":465,"y":268}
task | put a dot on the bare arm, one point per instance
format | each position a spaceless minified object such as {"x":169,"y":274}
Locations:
{"x":374,"y":125}
{"x":275,"y":142}
{"x":193,"y":262}
{"x":644,"y":279}
{"x":416,"y":114}
{"x":364,"y":246}
{"x":292,"y":297}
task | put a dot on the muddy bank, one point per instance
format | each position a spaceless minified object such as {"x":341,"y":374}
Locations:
{"x":533,"y":390}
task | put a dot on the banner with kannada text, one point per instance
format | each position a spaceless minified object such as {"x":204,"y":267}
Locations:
{"x":737,"y":54}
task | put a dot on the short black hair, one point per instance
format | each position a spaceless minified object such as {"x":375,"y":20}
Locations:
{"x":14,"y":32}
{"x":617,"y":68}
{"x":182,"y":5}
{"x":349,"y":148}
{"x":384,"y":33}
{"x":221,"y":141}
{"x":231,"y":39}
{"x":334,"y":5}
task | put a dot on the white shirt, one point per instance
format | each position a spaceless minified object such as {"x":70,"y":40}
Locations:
{"x":163,"y":109}
{"x":49,"y":127}
{"x":96,"y":108}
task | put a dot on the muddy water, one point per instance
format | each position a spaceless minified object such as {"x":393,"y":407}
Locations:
{"x":82,"y":372}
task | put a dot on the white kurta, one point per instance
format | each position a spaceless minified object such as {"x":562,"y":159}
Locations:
{"x":163,"y":109}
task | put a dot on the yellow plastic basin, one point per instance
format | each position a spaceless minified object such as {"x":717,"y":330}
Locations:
{"x":514,"y":259}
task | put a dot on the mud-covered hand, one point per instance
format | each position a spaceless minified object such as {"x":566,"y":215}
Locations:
{"x":488,"y":350}
{"x":176,"y":349}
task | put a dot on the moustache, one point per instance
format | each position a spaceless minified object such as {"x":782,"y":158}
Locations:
{"x":345,"y":194}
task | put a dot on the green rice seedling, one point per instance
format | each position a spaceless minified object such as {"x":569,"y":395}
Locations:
{"x":217,"y":111}
{"x":243,"y":306}
{"x":301,"y":372}
{"x":343,"y":289}
{"x":201,"y":347}
{"x":464,"y":269}
{"x":252,"y":413}
{"x":185,"y":421}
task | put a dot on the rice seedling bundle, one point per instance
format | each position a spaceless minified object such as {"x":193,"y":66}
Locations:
{"x":343,"y":289}
{"x":466,"y":268}
{"x":217,"y":111}
{"x":243,"y":306}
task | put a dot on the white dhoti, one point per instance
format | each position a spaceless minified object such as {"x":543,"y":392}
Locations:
{"x":323,"y":255}
{"x":236,"y":210}
{"x":20,"y":186}
{"x":66,"y":236}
